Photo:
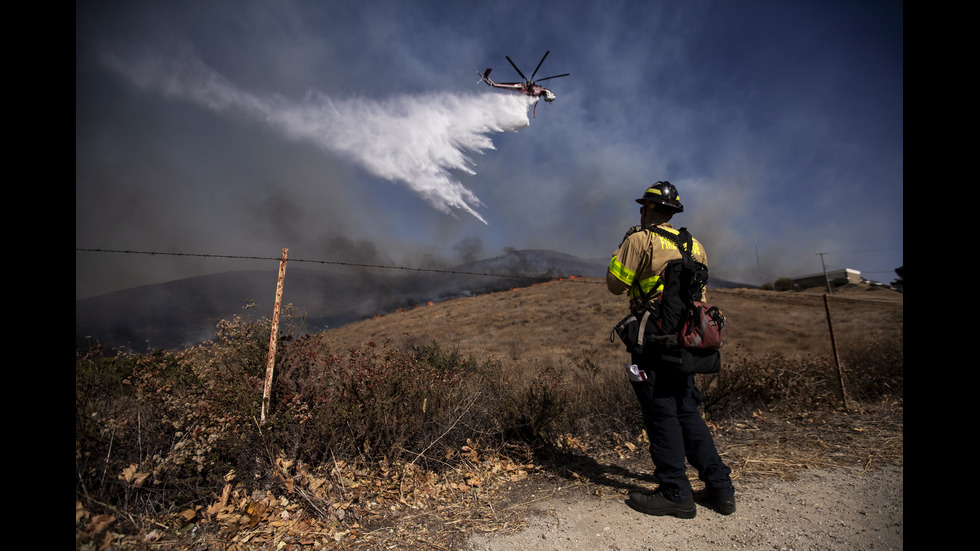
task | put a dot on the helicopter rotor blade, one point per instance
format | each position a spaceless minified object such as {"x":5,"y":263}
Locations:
{"x":556,"y":76}
{"x":539,"y":64}
{"x":515,"y":67}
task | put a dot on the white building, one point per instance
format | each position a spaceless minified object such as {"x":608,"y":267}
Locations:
{"x":820,"y":280}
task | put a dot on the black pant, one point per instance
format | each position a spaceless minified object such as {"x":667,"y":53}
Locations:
{"x":669,"y":401}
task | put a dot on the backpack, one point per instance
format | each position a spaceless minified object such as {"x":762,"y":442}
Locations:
{"x":683,"y":329}
{"x":682,"y":314}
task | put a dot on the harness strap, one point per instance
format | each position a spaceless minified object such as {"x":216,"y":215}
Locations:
{"x":683,"y":239}
{"x":643,"y":327}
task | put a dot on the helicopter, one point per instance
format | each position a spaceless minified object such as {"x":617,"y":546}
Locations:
{"x":529,"y":87}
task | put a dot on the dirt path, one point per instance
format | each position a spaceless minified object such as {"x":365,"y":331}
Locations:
{"x":837,"y":509}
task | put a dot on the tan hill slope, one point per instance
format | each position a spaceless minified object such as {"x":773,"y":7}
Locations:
{"x":558,"y":320}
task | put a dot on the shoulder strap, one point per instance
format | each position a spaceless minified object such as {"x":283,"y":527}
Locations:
{"x":683,"y":239}
{"x":698,"y":275}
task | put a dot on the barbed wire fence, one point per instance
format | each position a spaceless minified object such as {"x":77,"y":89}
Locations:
{"x":533,"y":277}
{"x":283,"y":259}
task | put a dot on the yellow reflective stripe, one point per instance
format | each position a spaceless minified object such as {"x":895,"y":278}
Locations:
{"x":647,"y":286}
{"x":621,"y":272}
{"x":653,"y":283}
{"x":658,"y":192}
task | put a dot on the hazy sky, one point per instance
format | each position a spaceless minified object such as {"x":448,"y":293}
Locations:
{"x":356,"y":131}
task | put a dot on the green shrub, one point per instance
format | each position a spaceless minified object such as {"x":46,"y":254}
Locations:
{"x":784,"y":284}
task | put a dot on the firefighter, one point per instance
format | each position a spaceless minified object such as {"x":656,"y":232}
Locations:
{"x":669,"y":399}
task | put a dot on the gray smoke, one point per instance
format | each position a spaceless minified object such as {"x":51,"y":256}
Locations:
{"x":419,"y":141}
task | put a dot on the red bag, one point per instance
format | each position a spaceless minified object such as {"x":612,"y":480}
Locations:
{"x":702,"y":327}
{"x":697,"y":324}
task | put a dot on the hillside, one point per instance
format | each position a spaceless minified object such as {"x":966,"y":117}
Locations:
{"x":807,"y":478}
{"x":556,"y":320}
{"x":185,"y":311}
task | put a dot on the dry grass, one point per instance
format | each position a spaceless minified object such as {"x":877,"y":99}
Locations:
{"x":561,"y":322}
{"x":556,"y":321}
{"x":543,"y":323}
{"x":528,"y":337}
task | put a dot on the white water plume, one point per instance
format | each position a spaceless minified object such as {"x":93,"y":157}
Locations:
{"x":419,"y":141}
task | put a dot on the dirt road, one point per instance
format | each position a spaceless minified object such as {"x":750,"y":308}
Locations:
{"x":837,"y":509}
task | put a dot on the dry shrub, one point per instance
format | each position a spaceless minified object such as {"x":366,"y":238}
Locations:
{"x":527,"y":401}
{"x":871,"y":371}
{"x":748,"y":383}
{"x":376,"y":401}
{"x":539,"y":402}
{"x":165,"y":430}
{"x":602,"y":401}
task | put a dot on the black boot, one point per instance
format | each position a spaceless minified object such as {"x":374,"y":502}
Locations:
{"x":724,"y":503}
{"x":656,"y":503}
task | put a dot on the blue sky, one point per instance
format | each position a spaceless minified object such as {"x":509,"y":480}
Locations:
{"x":357,"y":132}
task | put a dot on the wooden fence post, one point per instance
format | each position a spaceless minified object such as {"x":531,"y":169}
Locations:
{"x":833,"y":344}
{"x":273,"y":337}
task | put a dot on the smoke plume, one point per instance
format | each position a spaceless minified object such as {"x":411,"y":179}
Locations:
{"x":419,"y":141}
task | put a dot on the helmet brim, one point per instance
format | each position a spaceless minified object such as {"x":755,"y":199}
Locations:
{"x":677,"y":207}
